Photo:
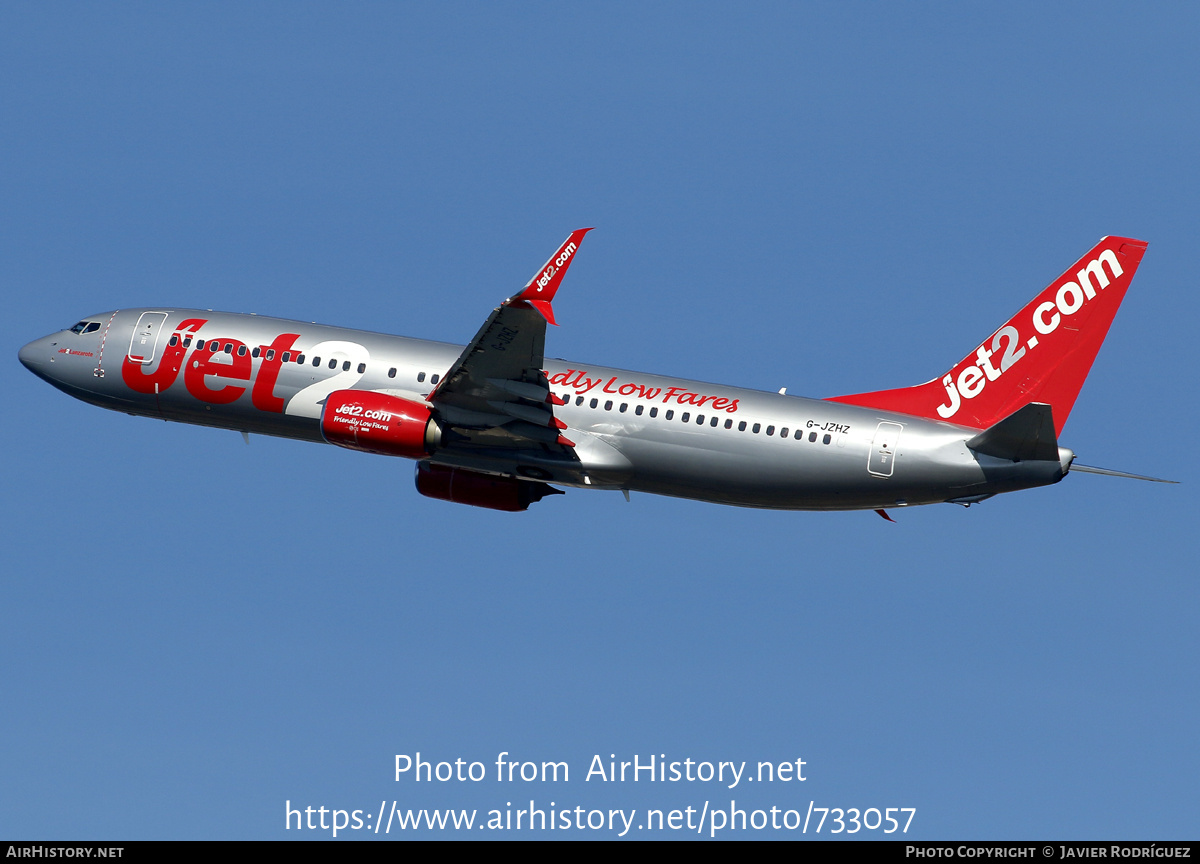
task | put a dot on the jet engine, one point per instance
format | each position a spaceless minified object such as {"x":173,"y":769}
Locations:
{"x":464,"y":486}
{"x":379,"y":423}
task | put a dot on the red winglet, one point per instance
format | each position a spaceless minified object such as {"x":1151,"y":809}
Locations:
{"x":539,"y":293}
{"x":566,"y":442}
{"x":555,"y":400}
{"x":558,"y":424}
{"x":543,"y":306}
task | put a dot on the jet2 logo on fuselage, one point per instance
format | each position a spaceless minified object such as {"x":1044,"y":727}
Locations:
{"x":202,"y":368}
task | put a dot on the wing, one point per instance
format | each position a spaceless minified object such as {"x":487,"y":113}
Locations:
{"x":496,"y":394}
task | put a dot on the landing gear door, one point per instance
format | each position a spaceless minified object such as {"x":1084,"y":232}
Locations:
{"x":145,"y":337}
{"x":882,"y":458}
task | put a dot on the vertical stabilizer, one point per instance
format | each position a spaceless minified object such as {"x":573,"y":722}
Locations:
{"x":1043,"y":354}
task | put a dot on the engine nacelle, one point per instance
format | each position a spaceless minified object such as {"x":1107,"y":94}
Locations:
{"x":464,"y":486}
{"x":378,"y":423}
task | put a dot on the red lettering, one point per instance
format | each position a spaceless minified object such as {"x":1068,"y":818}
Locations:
{"x":719,"y":402}
{"x":611,"y":381}
{"x":263,"y":395}
{"x":134,"y":374}
{"x":232,"y":366}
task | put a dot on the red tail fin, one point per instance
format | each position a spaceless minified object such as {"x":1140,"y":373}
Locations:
{"x":1042,"y":354}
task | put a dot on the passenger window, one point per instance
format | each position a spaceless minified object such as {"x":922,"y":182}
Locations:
{"x":271,"y":354}
{"x":624,"y":405}
{"x":728,"y":424}
{"x":287,"y":357}
{"x":200,"y":345}
{"x":714,"y":422}
{"x":345,"y":365}
{"x":578,"y":400}
{"x":420,"y":377}
{"x":653,"y":412}
{"x":187,"y":343}
{"x":686,"y":416}
{"x":638,"y":410}
{"x":392,"y":372}
{"x":742,"y":426}
{"x":300,"y":358}
{"x":783,"y":432}
{"x":316,"y":362}
{"x":826,"y":439}
{"x":434,"y":379}
{"x":812,"y":437}
{"x":799,"y":434}
{"x":755,"y":428}
{"x":770,"y":430}
{"x":228,"y":347}
{"x":608,"y":405}
{"x":332,"y":363}
{"x":242,"y":350}
{"x":595,"y":402}
{"x":699,"y":419}
{"x":670,"y":415}
{"x":362,"y":367}
{"x":174,"y":341}
{"x":255,"y":352}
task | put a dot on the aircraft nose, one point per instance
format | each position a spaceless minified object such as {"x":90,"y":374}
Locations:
{"x":36,"y":356}
{"x":29,"y":355}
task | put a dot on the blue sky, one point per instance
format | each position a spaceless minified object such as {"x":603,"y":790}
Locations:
{"x":828,"y":197}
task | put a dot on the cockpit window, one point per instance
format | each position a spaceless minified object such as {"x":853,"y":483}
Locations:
{"x":93,"y":327}
{"x":80,"y":327}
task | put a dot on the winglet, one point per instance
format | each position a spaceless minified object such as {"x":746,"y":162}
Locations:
{"x":539,"y":292}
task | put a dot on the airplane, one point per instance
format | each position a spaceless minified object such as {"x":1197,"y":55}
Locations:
{"x":495,"y":423}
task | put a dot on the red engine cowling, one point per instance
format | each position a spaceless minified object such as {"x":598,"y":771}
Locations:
{"x":378,"y":423}
{"x":464,"y":486}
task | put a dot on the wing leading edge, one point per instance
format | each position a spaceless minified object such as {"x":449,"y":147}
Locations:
{"x":496,"y":393}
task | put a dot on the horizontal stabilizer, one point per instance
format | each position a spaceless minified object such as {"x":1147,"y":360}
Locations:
{"x":1025,"y":435}
{"x":1088,"y":469}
